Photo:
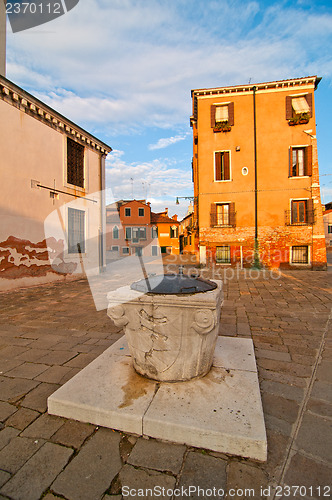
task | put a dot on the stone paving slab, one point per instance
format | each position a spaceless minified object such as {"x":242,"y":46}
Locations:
{"x":221,"y":411}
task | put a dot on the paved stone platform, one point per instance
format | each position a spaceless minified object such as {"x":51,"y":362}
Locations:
{"x":50,"y":333}
{"x":219,"y":412}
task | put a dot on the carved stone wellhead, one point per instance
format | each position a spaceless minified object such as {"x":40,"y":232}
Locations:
{"x":170,"y":337}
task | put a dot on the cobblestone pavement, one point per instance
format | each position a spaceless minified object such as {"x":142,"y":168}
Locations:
{"x":49,"y":333}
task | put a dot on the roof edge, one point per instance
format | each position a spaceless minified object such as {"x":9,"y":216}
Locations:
{"x":263,"y":85}
{"x":26,"y":101}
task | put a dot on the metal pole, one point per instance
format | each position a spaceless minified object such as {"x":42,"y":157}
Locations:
{"x":256,"y":250}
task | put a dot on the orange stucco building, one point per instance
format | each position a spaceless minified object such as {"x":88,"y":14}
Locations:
{"x":168,"y":232}
{"x":256,"y":178}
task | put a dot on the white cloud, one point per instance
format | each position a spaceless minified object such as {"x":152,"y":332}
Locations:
{"x":133,"y":63}
{"x":167,"y":141}
{"x":158,"y":181}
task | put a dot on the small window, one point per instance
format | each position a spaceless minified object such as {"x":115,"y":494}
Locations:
{"x":222,"y":115}
{"x":298,"y":109}
{"x":300,"y":105}
{"x":173,"y":231}
{"x":300,"y":255}
{"x":223,"y":254}
{"x":115,"y":249}
{"x":76,"y":231}
{"x":221,"y":166}
{"x":75,"y":163}
{"x":329,"y":229}
{"x":128,"y":233}
{"x":154,"y":250}
{"x":141,"y":212}
{"x":115,"y":233}
{"x":154,"y":232}
{"x":299,"y":211}
{"x":222,"y":214}
{"x":125,"y":250}
{"x":127,"y":212}
{"x":300,"y":161}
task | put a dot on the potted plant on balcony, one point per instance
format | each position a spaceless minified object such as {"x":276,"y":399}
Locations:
{"x":222,"y":127}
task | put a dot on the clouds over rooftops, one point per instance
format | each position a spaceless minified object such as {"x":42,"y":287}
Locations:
{"x":133,"y":63}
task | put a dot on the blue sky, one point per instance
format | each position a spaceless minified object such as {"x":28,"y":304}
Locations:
{"x":124,"y":69}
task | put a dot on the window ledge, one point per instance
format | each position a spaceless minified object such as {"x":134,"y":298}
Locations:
{"x":222,"y":129}
{"x":228,"y":180}
{"x":76,"y":188}
{"x":299,"y":176}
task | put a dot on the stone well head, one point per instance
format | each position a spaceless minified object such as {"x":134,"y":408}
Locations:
{"x":171,"y":324}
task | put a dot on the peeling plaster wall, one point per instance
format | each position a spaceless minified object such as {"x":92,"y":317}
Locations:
{"x":32,"y":150}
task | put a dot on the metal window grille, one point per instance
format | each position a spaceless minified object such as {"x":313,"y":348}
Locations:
{"x":75,"y":163}
{"x":76,"y":231}
{"x":300,"y":255}
{"x":223,"y":254}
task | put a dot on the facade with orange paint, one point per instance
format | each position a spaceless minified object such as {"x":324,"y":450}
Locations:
{"x":256,"y":177}
{"x":129,"y":229}
{"x":168,"y":232}
{"x":186,"y":234}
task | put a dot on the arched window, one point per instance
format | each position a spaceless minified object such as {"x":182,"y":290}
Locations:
{"x":115,"y":233}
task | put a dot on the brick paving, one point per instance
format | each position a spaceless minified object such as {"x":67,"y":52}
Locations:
{"x":49,"y":333}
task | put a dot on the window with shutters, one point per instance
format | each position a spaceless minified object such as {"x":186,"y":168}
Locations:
{"x":300,"y":161}
{"x":127,"y":212}
{"x":222,"y":170}
{"x":222,"y":116}
{"x":300,"y":254}
{"x":75,"y":163}
{"x":301,"y":213}
{"x":223,"y":254}
{"x":76,"y":231}
{"x":141,"y":212}
{"x":222,"y":214}
{"x":298,"y":109}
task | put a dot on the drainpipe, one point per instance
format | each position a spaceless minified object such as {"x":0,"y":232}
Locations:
{"x":256,"y":249}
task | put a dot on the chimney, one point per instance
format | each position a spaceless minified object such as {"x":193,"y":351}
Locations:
{"x":3,"y":37}
{"x":166,"y":211}
{"x":175,"y":217}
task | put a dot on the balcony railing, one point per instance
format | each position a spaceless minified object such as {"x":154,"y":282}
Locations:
{"x":307,"y":218}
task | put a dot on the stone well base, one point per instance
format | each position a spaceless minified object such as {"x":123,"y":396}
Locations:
{"x":221,"y":411}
